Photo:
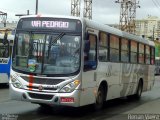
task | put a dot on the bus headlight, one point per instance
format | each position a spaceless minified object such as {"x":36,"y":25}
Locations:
{"x":15,"y":82}
{"x":17,"y":85}
{"x":70,"y":87}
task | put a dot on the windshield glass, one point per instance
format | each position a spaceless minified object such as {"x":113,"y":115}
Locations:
{"x":47,"y":54}
{"x":4,"y":49}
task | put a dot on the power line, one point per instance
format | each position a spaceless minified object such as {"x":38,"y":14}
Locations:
{"x":157,"y":3}
{"x":158,"y":7}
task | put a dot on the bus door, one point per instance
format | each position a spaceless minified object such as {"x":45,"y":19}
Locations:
{"x":89,"y":71}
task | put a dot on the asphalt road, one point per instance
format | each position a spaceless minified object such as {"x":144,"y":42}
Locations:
{"x":113,"y":110}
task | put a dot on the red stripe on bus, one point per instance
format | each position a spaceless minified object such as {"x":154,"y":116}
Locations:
{"x":30,"y":82}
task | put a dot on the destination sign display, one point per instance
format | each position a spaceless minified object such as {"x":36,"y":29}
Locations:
{"x":49,"y":23}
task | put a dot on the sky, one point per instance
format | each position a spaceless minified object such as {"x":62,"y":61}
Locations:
{"x":104,"y":11}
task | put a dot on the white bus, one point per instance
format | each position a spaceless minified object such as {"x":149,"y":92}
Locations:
{"x":6,"y":44}
{"x":69,"y":61}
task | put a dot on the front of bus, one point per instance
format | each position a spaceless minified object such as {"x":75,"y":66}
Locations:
{"x":46,"y":61}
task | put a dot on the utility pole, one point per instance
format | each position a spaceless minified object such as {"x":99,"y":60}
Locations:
{"x":132,"y":16}
{"x":36,"y":12}
{"x":123,"y":23}
{"x":3,"y":16}
{"x":75,"y":8}
{"x":128,"y":15}
{"x":87,"y":13}
{"x":19,"y":15}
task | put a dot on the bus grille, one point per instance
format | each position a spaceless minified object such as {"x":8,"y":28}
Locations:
{"x":40,"y":96}
{"x":44,"y":80}
{"x":44,"y":88}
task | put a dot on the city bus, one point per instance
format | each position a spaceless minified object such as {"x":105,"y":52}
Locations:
{"x":70,"y":61}
{"x":6,"y":44}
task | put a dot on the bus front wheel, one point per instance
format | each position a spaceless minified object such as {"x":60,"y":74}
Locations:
{"x":99,"y":99}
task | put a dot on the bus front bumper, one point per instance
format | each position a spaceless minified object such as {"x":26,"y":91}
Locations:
{"x":64,"y":99}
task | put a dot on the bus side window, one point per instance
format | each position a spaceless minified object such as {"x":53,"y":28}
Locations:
{"x":147,"y":56}
{"x":90,"y":53}
{"x":134,"y":53}
{"x":114,"y":48}
{"x":103,"y":47}
{"x":152,"y":55}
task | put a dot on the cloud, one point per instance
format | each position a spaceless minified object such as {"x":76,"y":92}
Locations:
{"x":105,"y":11}
{"x":62,"y":7}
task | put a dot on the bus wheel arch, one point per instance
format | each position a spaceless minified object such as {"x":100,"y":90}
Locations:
{"x":101,"y":95}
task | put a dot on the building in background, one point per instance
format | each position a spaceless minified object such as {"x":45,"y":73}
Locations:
{"x":148,"y":27}
{"x":10,"y":27}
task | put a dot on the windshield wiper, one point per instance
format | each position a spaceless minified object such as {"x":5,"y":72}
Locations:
{"x":52,"y":42}
{"x":58,"y":37}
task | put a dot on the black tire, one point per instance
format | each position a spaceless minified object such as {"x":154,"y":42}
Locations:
{"x":138,"y":94}
{"x":99,"y":99}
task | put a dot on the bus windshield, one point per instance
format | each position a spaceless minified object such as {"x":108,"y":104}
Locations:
{"x":47,"y":54}
{"x":4,"y":47}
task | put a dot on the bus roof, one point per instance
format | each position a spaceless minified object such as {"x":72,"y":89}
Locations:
{"x":111,"y":30}
{"x":102,"y":27}
{"x":53,"y":16}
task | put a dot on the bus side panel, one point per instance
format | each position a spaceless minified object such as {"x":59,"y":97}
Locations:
{"x":109,"y":72}
{"x":87,"y":95}
{"x":91,"y":81}
{"x":5,"y":70}
{"x":128,"y":78}
{"x":151,"y":78}
{"x":132,"y":73}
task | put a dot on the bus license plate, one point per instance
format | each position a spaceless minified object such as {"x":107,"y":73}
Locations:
{"x":67,"y":100}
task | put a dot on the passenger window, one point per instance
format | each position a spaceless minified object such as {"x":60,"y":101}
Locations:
{"x":114,"y":48}
{"x":92,"y":52}
{"x":133,"y":56}
{"x":141,"y":53}
{"x":103,"y":47}
{"x":124,"y":50}
{"x":152,"y":56}
{"x":147,"y":57}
